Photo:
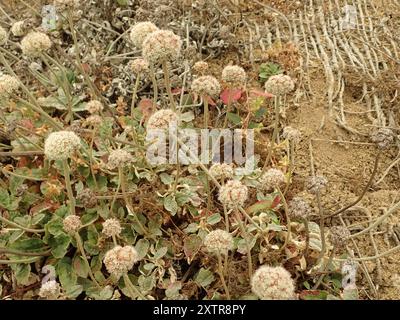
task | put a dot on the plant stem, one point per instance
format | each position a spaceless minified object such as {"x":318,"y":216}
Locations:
{"x":206,"y":115}
{"x":246,"y":238}
{"x":22,"y":253}
{"x":16,"y":225}
{"x":168,"y":85}
{"x":221,"y":275}
{"x":69,"y":187}
{"x":135,"y":88}
{"x":131,"y":288}
{"x":155,"y":86}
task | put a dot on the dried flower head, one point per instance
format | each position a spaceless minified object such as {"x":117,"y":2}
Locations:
{"x":93,"y":121}
{"x":298,"y":208}
{"x":139,"y":66}
{"x":272,"y":283}
{"x":111,"y":227}
{"x":279,"y":85}
{"x":94,"y":106}
{"x":234,"y":75}
{"x":383,"y":137}
{"x":206,"y":85}
{"x":50,"y":290}
{"x":18,"y":28}
{"x":291,"y":134}
{"x":339,"y":236}
{"x":120,"y":260}
{"x":118,"y":158}
{"x":87,"y":198}
{"x":316,"y":184}
{"x":218,"y":241}
{"x":221,"y":171}
{"x":233,"y":194}
{"x":162,"y":119}
{"x":61,"y":145}
{"x":3,"y":36}
{"x":8,"y":84}
{"x":272,"y":179}
{"x":35,"y":43}
{"x":140,"y":31}
{"x":72,"y":224}
{"x":161,"y":45}
{"x":200,"y":67}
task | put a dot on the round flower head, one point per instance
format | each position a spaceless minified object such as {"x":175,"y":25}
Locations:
{"x":200,"y":67}
{"x":233,"y":194}
{"x":35,"y":43}
{"x":140,"y":31}
{"x":221,"y":170}
{"x":3,"y":36}
{"x":291,"y":134}
{"x":118,"y":158}
{"x":299,"y":209}
{"x":93,"y":120}
{"x":8,"y":84}
{"x":61,"y":145}
{"x":234,"y":75}
{"x":218,"y":241}
{"x":316,"y":184}
{"x":111,"y":227}
{"x":206,"y":85}
{"x":383,"y":138}
{"x":272,"y":179}
{"x":272,"y":283}
{"x":339,"y":236}
{"x":279,"y":85}
{"x":72,"y":224}
{"x":18,"y":28}
{"x":87,"y":197}
{"x":162,"y":119}
{"x":94,"y":106}
{"x":120,"y":260}
{"x":50,"y":290}
{"x":139,"y":66}
{"x":161,"y":45}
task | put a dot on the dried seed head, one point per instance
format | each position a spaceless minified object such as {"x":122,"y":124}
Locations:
{"x":200,"y":67}
{"x":93,"y":121}
{"x":120,"y":260}
{"x":140,"y":31}
{"x":206,"y":85}
{"x":233,"y":194}
{"x":111,"y":227}
{"x":18,"y":28}
{"x":61,"y":145}
{"x":118,"y":159}
{"x":234,"y":75}
{"x":35,"y":43}
{"x":316,"y":184}
{"x":339,"y":236}
{"x":272,"y":179}
{"x":139,"y":66}
{"x":291,"y":134}
{"x":3,"y":36}
{"x":8,"y":84}
{"x":50,"y":290}
{"x":87,"y":197}
{"x":279,"y":85}
{"x":218,"y":241}
{"x":298,"y":208}
{"x":161,"y":45}
{"x":272,"y":283}
{"x":72,"y":224}
{"x":221,"y":171}
{"x":383,"y":138}
{"x":94,"y":106}
{"x":162,"y":119}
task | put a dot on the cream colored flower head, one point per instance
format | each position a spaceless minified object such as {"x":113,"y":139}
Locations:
{"x":272,"y":179}
{"x":94,"y":106}
{"x":218,"y":241}
{"x":161,"y":45}
{"x":139,"y":66}
{"x":279,"y":85}
{"x":162,"y":119}
{"x":120,"y":260}
{"x":111,"y":227}
{"x":298,"y":208}
{"x":93,"y":120}
{"x":61,"y":145}
{"x":72,"y":224}
{"x":206,"y":85}
{"x":221,"y":171}
{"x":35,"y":43}
{"x":291,"y":134}
{"x":272,"y":283}
{"x":3,"y":36}
{"x":234,"y":75}
{"x":8,"y":85}
{"x":233,"y":194}
{"x":140,"y":31}
{"x":18,"y":28}
{"x":119,"y":158}
{"x":50,"y":290}
{"x":200,"y":67}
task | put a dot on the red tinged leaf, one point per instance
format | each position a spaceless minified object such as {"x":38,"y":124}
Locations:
{"x":210,"y":101}
{"x":276,"y":202}
{"x":260,"y":93}
{"x":146,"y":107}
{"x":230,"y":95}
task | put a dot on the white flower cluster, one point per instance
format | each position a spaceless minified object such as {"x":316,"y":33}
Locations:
{"x":118,"y":158}
{"x":140,"y":31}
{"x":298,"y":208}
{"x":3,"y":36}
{"x":162,"y":119}
{"x":111,"y":227}
{"x":291,"y":134}
{"x":279,"y":85}
{"x":221,"y":171}
{"x":72,"y":224}
{"x":200,"y":67}
{"x":120,"y":260}
{"x":218,"y":241}
{"x":139,"y":66}
{"x":8,"y":84}
{"x":94,"y":106}
{"x":234,"y":75}
{"x":233,"y":194}
{"x":272,"y":179}
{"x":50,"y":290}
{"x":206,"y":85}
{"x":316,"y":184}
{"x":61,"y":145}
{"x":35,"y":43}
{"x":18,"y":28}
{"x":161,"y":45}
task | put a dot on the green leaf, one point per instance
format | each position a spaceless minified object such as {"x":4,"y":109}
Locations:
{"x":191,"y":245}
{"x":170,"y":204}
{"x":234,"y":118}
{"x":59,"y":245}
{"x":55,"y":226}
{"x":204,"y":278}
{"x":80,"y":267}
{"x":146,"y":283}
{"x":66,"y":273}
{"x":28,"y":245}
{"x":214,"y":219}
{"x":142,"y":247}
{"x":73,"y":291}
{"x":160,"y":253}
{"x":22,"y":272}
{"x":173,"y":290}
{"x":166,"y":178}
{"x":350,"y":294}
